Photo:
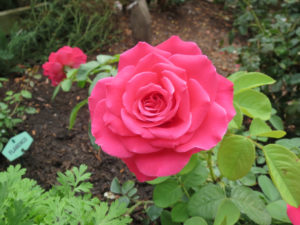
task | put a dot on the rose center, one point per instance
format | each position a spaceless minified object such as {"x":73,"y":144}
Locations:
{"x":154,"y":102}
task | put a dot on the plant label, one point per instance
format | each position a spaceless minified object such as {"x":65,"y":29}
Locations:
{"x":17,"y":145}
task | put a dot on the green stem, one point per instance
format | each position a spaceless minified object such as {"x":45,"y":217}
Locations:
{"x":220,"y":177}
{"x":138,"y":203}
{"x":209,"y":163}
{"x":15,"y":109}
{"x":260,"y":26}
{"x":256,"y":144}
{"x":185,"y":191}
{"x":182,"y":186}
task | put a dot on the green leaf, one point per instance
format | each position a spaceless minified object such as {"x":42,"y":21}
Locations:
{"x":248,"y":202}
{"x":251,"y":80}
{"x":236,"y":75}
{"x":92,"y":138}
{"x":259,"y":127}
{"x":196,"y":220}
{"x":3,"y":106}
{"x":125,"y":200}
{"x":3,"y":79}
{"x":227,"y":212}
{"x":132,"y":192}
{"x":242,"y":156}
{"x":179,"y":212}
{"x":158,"y":180}
{"x":249,"y":179}
{"x":206,"y":201}
{"x":71,"y":73}
{"x":292,"y":143}
{"x":284,"y":167}
{"x":278,"y":210}
{"x":81,"y":84}
{"x":74,"y":112}
{"x":30,"y":110}
{"x":154,"y":212}
{"x":66,"y":85}
{"x":115,"y":186}
{"x":276,"y":122}
{"x":167,"y":193}
{"x":268,"y":188}
{"x":102,"y":59}
{"x":254,"y":104}
{"x":37,"y":76}
{"x":195,"y":178}
{"x":85,"y":70}
{"x":190,"y":166}
{"x":237,"y":120}
{"x":96,"y":79}
{"x":165,"y":218}
{"x":127,"y":186}
{"x":55,"y":92}
{"x":26,"y":94}
{"x":259,"y":170}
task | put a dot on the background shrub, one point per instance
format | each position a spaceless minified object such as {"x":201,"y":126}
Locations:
{"x":272,"y":28}
{"x":88,"y":25}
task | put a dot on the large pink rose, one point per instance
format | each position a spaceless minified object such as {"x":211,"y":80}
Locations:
{"x":166,"y":103}
{"x":294,"y":214}
{"x":65,"y":56}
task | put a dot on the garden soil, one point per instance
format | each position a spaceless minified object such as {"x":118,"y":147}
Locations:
{"x":56,"y":149}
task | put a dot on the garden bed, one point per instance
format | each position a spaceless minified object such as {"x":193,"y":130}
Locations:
{"x":56,"y":149}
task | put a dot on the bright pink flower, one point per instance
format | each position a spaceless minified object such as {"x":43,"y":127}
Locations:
{"x":294,"y":214}
{"x":166,"y":103}
{"x":65,"y":56}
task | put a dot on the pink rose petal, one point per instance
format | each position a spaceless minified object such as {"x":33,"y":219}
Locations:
{"x":133,"y":55}
{"x":139,"y":145}
{"x":135,"y":126}
{"x":109,"y":142}
{"x":148,"y":61}
{"x":98,"y":93}
{"x":210,"y":132}
{"x":200,"y":103}
{"x":177,"y":129}
{"x":225,"y":96}
{"x":163,"y":163}
{"x":206,"y":76}
{"x":175,"y":45}
{"x":132,"y":167}
{"x":116,"y":88}
{"x":293,"y":214}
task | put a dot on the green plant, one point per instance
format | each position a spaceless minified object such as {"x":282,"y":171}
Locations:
{"x":230,"y":184}
{"x":90,"y":73}
{"x":127,"y":190}
{"x":69,"y":202}
{"x":12,"y":111}
{"x":84,"y":24}
{"x":273,"y":31}
{"x":13,"y":49}
{"x":127,"y":193}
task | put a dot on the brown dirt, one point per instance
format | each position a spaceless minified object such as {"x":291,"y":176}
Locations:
{"x":55,"y":149}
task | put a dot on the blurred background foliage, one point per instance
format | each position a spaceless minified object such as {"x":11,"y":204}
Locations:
{"x":271,"y":29}
{"x":89,"y":25}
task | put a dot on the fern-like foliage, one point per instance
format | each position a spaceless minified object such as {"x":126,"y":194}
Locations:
{"x":23,"y":202}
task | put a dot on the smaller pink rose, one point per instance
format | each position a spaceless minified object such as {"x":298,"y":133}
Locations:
{"x":65,"y":56}
{"x":293,"y":214}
